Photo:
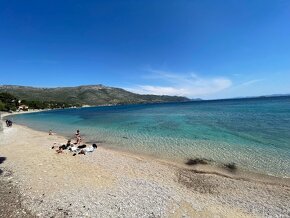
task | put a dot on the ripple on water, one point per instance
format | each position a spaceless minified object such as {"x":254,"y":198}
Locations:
{"x":251,"y":133}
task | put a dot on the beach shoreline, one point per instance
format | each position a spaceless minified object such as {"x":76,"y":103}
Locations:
{"x":187,"y":190}
{"x":208,"y":168}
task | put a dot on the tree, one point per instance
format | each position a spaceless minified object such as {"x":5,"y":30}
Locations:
{"x":2,"y":106}
{"x":9,"y":102}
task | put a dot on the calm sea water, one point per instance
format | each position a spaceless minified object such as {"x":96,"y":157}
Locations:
{"x":253,"y":133}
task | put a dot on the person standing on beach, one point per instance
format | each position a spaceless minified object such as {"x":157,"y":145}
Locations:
{"x":78,"y":137}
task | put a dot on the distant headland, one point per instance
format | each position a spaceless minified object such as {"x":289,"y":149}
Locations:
{"x":15,"y":97}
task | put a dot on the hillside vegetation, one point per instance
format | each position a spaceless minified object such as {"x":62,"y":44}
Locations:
{"x":85,"y":95}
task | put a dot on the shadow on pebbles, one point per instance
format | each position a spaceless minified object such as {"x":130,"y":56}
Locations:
{"x":197,"y":182}
{"x":10,"y":198}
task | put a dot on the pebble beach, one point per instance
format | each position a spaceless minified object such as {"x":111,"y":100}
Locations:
{"x":38,"y":182}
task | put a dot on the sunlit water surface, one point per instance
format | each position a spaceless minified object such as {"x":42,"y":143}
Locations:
{"x":253,"y":133}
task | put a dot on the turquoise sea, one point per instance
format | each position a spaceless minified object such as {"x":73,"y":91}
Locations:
{"x":253,"y":133}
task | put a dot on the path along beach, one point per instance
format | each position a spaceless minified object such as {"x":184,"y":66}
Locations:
{"x":109,"y":183}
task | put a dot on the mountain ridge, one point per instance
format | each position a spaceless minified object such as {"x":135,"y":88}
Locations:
{"x":86,"y":95}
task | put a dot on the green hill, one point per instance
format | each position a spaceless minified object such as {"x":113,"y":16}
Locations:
{"x":85,"y":95}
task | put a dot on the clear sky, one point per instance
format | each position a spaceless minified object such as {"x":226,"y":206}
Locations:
{"x":208,"y":49}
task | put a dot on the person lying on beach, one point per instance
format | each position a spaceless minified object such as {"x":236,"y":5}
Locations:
{"x":59,"y":151}
{"x":68,"y":144}
{"x":74,"y":149}
{"x":77,"y":149}
{"x":63,"y":147}
{"x":88,"y":149}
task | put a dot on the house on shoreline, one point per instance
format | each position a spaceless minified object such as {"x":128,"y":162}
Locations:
{"x":23,"y":107}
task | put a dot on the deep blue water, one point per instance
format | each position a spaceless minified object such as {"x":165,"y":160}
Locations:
{"x":254,"y":133}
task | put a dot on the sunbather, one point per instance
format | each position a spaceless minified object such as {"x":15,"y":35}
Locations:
{"x":88,"y":149}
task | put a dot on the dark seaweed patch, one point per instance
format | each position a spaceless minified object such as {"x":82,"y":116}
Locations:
{"x":231,"y":166}
{"x":196,"y":161}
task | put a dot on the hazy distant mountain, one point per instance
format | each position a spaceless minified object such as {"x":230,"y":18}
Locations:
{"x":260,"y":96}
{"x":86,"y":95}
{"x":275,"y":95}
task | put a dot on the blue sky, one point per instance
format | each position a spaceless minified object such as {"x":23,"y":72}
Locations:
{"x":208,"y":49}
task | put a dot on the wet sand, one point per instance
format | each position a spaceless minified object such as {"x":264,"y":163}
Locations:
{"x":108,"y":183}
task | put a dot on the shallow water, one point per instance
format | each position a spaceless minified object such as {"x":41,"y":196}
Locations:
{"x":253,"y":133}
